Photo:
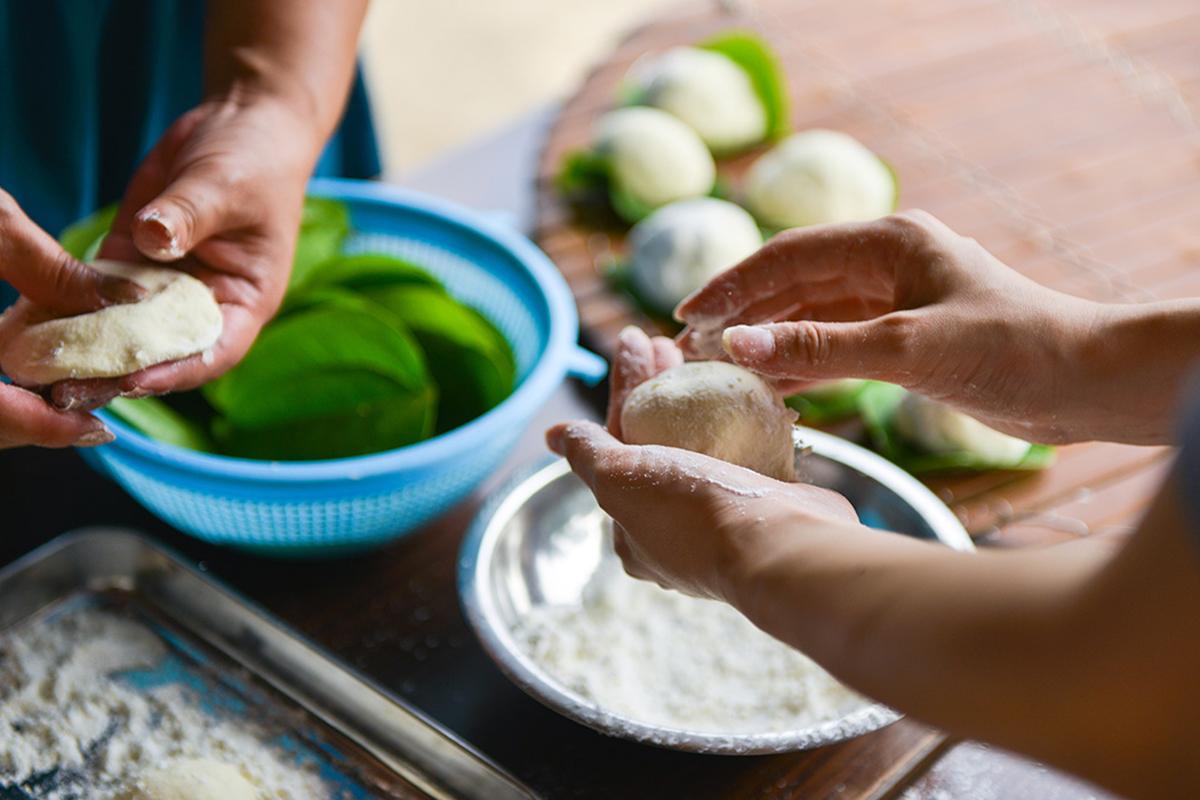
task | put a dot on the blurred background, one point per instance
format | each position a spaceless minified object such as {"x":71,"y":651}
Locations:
{"x":423,"y":61}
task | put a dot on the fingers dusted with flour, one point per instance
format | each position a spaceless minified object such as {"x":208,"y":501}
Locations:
{"x":639,"y":358}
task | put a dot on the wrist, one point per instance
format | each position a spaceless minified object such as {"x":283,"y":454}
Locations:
{"x":262,"y":93}
{"x":1131,"y":365}
{"x":786,"y":579}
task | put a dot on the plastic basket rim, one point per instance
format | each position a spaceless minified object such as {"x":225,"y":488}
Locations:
{"x":547,"y":372}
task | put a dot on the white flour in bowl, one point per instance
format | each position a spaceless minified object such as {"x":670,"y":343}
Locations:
{"x":665,"y":659}
{"x":70,"y":727}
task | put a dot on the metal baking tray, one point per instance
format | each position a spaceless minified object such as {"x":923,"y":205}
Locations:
{"x":521,"y":552}
{"x":379,"y":745}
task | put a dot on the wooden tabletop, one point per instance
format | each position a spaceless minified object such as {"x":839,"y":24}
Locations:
{"x":1063,"y":136}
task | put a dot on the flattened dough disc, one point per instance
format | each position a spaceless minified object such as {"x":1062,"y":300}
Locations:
{"x":178,"y":317}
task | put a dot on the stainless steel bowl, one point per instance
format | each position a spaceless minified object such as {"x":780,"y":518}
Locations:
{"x":521,"y":553}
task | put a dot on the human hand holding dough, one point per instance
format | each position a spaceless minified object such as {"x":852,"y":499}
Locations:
{"x":710,"y":407}
{"x":177,"y":318}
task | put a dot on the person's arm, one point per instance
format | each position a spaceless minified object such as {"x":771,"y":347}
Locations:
{"x":221,"y":193}
{"x":1084,"y":655}
{"x":296,"y":52}
{"x":904,"y":299}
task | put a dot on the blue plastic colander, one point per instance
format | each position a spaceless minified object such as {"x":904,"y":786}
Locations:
{"x":319,"y":507}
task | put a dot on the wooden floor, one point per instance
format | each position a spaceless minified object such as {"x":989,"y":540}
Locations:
{"x":1065,"y":137}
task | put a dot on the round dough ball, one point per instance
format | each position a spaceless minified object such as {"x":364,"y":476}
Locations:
{"x":938,"y":428}
{"x":714,"y":408}
{"x":195,"y":779}
{"x":709,"y":92}
{"x":819,"y":176}
{"x":179,"y":317}
{"x":682,"y":246}
{"x":654,"y":157}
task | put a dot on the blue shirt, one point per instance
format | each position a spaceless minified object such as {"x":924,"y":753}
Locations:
{"x":1187,"y":463}
{"x":88,"y":86}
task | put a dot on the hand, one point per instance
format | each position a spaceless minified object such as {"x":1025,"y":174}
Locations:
{"x":42,"y":271}
{"x":904,"y":299}
{"x":219,"y":196}
{"x":687,"y":521}
{"x":639,"y":358}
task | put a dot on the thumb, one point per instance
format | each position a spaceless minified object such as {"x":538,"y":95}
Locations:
{"x":193,"y":207}
{"x":42,"y":271}
{"x":879,"y":348}
{"x":582,"y":443}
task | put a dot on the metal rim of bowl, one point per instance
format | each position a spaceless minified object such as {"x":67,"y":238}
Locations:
{"x":479,"y":606}
{"x":550,"y":368}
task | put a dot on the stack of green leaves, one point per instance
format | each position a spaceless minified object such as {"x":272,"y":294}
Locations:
{"x":368,"y":353}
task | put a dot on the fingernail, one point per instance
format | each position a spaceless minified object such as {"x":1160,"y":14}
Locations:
{"x":159,"y":235}
{"x":95,"y":438}
{"x":555,"y":439}
{"x":119,"y":291}
{"x":748,"y":343}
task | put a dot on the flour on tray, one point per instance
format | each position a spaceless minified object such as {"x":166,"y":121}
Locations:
{"x":73,"y":726}
{"x":662,"y":658}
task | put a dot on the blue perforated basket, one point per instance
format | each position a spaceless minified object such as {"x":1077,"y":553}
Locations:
{"x":317,"y":507}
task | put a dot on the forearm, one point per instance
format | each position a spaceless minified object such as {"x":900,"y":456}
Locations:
{"x":1082,"y":655}
{"x":956,"y":639}
{"x":1133,"y":364}
{"x":295,"y":51}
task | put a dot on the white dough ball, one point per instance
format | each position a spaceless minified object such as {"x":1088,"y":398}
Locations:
{"x":938,"y":428}
{"x":195,"y":779}
{"x":178,"y":317}
{"x":682,"y":246}
{"x":654,"y":157}
{"x":718,"y":409}
{"x":709,"y":92}
{"x":819,"y":176}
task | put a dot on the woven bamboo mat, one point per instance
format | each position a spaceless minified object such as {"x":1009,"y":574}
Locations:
{"x":1064,"y":136}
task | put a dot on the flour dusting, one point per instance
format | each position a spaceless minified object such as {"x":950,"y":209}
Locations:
{"x":73,"y":724}
{"x":665,"y":659}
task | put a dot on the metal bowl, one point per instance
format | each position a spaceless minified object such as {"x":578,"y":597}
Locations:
{"x":521,"y":553}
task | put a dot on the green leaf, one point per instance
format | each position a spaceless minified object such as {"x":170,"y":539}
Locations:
{"x":368,"y":270}
{"x":583,"y":172}
{"x":755,"y":56}
{"x":630,"y":93}
{"x":628,"y":207}
{"x":877,"y":403}
{"x":160,"y":422}
{"x":83,"y":238}
{"x":895,"y":182}
{"x":308,"y":298}
{"x":367,"y":426}
{"x":617,"y":275}
{"x":470,"y":360}
{"x":283,"y":377}
{"x":324,"y":226}
{"x":827,"y":404}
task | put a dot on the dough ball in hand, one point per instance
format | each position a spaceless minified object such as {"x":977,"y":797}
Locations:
{"x":178,"y":317}
{"x":195,"y":779}
{"x":718,"y":409}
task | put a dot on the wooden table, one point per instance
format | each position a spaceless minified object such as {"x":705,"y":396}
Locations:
{"x":1115,"y":232}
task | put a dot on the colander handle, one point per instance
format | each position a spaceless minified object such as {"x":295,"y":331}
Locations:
{"x":586,"y":366}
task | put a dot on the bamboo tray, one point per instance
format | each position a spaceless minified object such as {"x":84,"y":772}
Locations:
{"x":1065,"y":138}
